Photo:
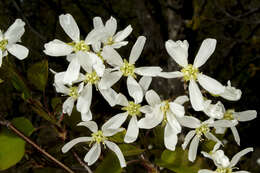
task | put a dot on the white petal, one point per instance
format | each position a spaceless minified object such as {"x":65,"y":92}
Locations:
{"x":137,"y":49}
{"x":170,"y":75}
{"x":220,"y":130}
{"x":225,"y":123}
{"x":18,"y":51}
{"x":15,"y":31}
{"x":117,"y":45}
{"x":68,"y":105}
{"x":241,"y":172}
{"x":196,"y":97}
{"x":177,"y":109}
{"x":1,"y":58}
{"x":121,"y":35}
{"x":190,"y":122}
{"x":109,"y":95}
{"x":115,"y":122}
{"x":245,"y":115}
{"x":146,"y":109}
{"x":111,"y":132}
{"x":112,"y":146}
{"x":237,"y":157}
{"x":70,"y":27}
{"x":187,"y":139}
{"x":170,"y":137}
{"x":95,"y":36}
{"x":181,"y":100}
{"x":109,"y":79}
{"x":231,"y":93}
{"x":93,"y":154}
{"x":178,"y":51}
{"x":235,"y":134}
{"x":91,"y":125}
{"x":210,"y":84}
{"x":206,"y":49}
{"x":57,"y":48}
{"x":111,"y":56}
{"x":134,"y":89}
{"x":205,"y":171}
{"x":97,"y":22}
{"x":73,"y":142}
{"x":210,"y":136}
{"x":72,"y":72}
{"x":111,"y":26}
{"x":84,"y":99}
{"x":173,"y":122}
{"x":152,"y":98}
{"x":148,"y":71}
{"x":122,"y":100}
{"x":145,"y":82}
{"x":132,"y":131}
{"x":151,"y":121}
{"x":193,"y":149}
{"x":86,"y":116}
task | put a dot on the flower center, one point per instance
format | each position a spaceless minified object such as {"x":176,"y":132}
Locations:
{"x":74,"y":92}
{"x":98,"y":137}
{"x":165,"y":108}
{"x":202,"y":130}
{"x":3,"y":44}
{"x":127,"y":69}
{"x":92,"y":78}
{"x":132,"y":109}
{"x":80,"y":46}
{"x":110,"y":41}
{"x":229,"y":114}
{"x":223,"y":170}
{"x":190,"y":72}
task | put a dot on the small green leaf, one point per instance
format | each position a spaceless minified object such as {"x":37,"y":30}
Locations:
{"x":110,"y":164}
{"x":38,"y":74}
{"x":130,"y":150}
{"x":24,"y":125}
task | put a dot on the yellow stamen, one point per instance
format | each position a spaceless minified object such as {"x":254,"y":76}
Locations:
{"x":128,"y":69}
{"x":132,"y":109}
{"x":80,"y":46}
{"x":223,"y":170}
{"x":202,"y":130}
{"x":229,"y":114}
{"x":98,"y":137}
{"x":3,"y":44}
{"x":92,"y":78}
{"x":74,"y":92}
{"x":190,"y":72}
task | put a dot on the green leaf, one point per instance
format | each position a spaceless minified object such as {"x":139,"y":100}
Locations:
{"x":177,"y":161}
{"x":38,"y":74}
{"x":130,"y":150}
{"x":24,"y":125}
{"x":110,"y":164}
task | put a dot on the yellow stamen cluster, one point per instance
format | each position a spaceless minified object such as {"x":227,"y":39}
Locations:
{"x":74,"y":92}
{"x":202,"y":130}
{"x":98,"y":137}
{"x":165,"y":108}
{"x":229,"y":114}
{"x":132,"y":109}
{"x":80,"y":46}
{"x":92,"y":78}
{"x":223,"y":170}
{"x":190,"y":72}
{"x":3,"y":44}
{"x":110,"y":41}
{"x":128,"y":69}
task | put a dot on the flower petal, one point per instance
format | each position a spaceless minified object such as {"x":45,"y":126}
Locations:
{"x":91,"y":125}
{"x":84,"y":99}
{"x":121,"y":35}
{"x":177,"y":109}
{"x":132,"y":131}
{"x":134,"y":89}
{"x":111,"y":26}
{"x":97,"y":22}
{"x":170,"y":137}
{"x":152,"y":120}
{"x":210,"y":84}
{"x":137,"y":49}
{"x":170,"y":75}
{"x":173,"y":122}
{"x":18,"y":51}
{"x":206,"y":49}
{"x":205,"y":171}
{"x":117,"y":45}
{"x":15,"y":31}
{"x":193,"y":148}
{"x":152,"y":98}
{"x":148,"y":71}
{"x":72,"y":72}
{"x":109,"y":95}
{"x":57,"y":48}
{"x":190,"y":122}
{"x":73,"y":142}
{"x":93,"y":154}
{"x":245,"y":115}
{"x":70,"y":27}
{"x":181,"y":99}
{"x":122,"y":100}
{"x":68,"y":105}
{"x":235,"y":134}
{"x":86,"y":116}
{"x":145,"y":82}
{"x":109,"y":79}
{"x":237,"y":157}
{"x":112,"y":146}
{"x":196,"y":98}
{"x":187,"y":139}
{"x":111,"y":56}
{"x":115,"y":122}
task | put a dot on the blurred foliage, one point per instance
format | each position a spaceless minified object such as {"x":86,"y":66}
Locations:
{"x":27,"y":92}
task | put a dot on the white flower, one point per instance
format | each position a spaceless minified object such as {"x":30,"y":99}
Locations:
{"x":111,"y":38}
{"x":167,"y":112}
{"x":214,"y":110}
{"x":72,"y":50}
{"x":200,"y":129}
{"x":9,"y":39}
{"x":123,"y":67}
{"x":235,"y":117}
{"x":97,"y":138}
{"x":231,"y":93}
{"x":179,"y":52}
{"x":132,"y":108}
{"x":222,"y":161}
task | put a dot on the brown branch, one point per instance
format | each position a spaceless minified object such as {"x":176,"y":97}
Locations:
{"x":20,"y":134}
{"x":81,"y":162}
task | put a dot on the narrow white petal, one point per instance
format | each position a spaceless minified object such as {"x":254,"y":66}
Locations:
{"x":111,"y":26}
{"x":148,"y":71}
{"x":240,"y":154}
{"x":111,"y":56}
{"x":152,"y":120}
{"x":170,"y":75}
{"x":112,"y":146}
{"x":86,"y":116}
{"x":57,"y":48}
{"x":91,"y":125}
{"x":137,"y":49}
{"x":145,"y":82}
{"x":177,"y":109}
{"x":68,"y":105}
{"x":170,"y":137}
{"x":18,"y":51}
{"x":152,"y":98}
{"x":122,"y":100}
{"x":146,"y":109}
{"x":1,"y":58}
{"x":241,"y":172}
{"x":97,"y":22}
{"x":72,"y":72}
{"x":134,"y":89}
{"x":210,"y":84}
{"x":93,"y":154}
{"x":205,"y":171}
{"x":117,"y":45}
{"x":70,"y":27}
{"x":15,"y":31}
{"x":210,"y":136}
{"x":196,"y":97}
{"x":73,"y":142}
{"x":225,"y":123}
{"x":115,"y":122}
{"x":181,"y":99}
{"x":173,"y":122}
{"x":178,"y":51}
{"x":193,"y":148}
{"x":109,"y":79}
{"x":235,"y":134}
{"x":94,"y":36}
{"x":206,"y":49}
{"x":190,"y":122}
{"x":187,"y":139}
{"x":121,"y":35}
{"x":132,"y":131}
{"x":231,"y":93}
{"x":109,"y":95}
{"x":111,"y":132}
{"x":84,"y":99}
{"x":245,"y":115}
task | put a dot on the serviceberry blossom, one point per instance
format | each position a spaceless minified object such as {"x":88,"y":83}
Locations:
{"x":71,"y":50}
{"x":231,"y":93}
{"x":222,"y":162}
{"x":9,"y":39}
{"x":166,"y":112}
{"x":132,"y":108}
{"x":97,"y":138}
{"x":190,"y":73}
{"x":123,"y":67}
